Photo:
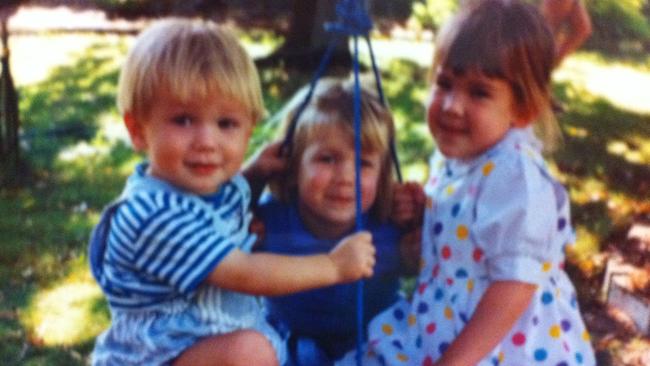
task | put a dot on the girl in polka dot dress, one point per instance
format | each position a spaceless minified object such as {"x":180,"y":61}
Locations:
{"x":491,"y":289}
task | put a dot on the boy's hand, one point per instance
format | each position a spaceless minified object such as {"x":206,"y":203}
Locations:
{"x":408,"y":204}
{"x":354,"y":257}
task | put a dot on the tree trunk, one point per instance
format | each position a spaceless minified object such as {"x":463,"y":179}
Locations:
{"x":9,"y":118}
{"x":307,"y":40}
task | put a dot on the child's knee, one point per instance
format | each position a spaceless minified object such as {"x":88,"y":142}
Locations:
{"x":255,"y":349}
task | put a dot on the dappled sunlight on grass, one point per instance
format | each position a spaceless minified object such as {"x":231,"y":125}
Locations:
{"x":71,"y":311}
{"x":621,"y":84}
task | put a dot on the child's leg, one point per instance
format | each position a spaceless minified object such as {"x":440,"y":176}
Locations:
{"x":242,"y":347}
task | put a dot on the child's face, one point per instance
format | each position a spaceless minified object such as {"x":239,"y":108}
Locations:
{"x":469,"y":113}
{"x":197,"y":145}
{"x":326,"y":182}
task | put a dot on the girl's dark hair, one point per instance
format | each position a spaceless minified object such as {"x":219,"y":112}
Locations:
{"x":509,"y":40}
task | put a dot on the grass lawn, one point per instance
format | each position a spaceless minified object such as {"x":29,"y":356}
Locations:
{"x":50,"y":307}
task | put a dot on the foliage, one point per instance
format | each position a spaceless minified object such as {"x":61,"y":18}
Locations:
{"x":45,"y":286}
{"x":617,"y":21}
{"x":431,"y":14}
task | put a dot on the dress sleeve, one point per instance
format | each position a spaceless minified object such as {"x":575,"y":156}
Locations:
{"x":515,"y":219}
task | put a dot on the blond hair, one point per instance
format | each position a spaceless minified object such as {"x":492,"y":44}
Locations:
{"x":191,"y":59}
{"x":331,"y":105}
{"x":510,"y":40}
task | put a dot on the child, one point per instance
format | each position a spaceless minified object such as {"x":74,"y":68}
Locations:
{"x":491,"y":290}
{"x":172,"y":255}
{"x":313,"y":205}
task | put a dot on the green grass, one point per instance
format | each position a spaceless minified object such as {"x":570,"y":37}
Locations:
{"x":50,"y":307}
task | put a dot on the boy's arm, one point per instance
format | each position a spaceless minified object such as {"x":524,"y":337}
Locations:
{"x":271,"y":274}
{"x":499,"y":309}
{"x":266,"y":163}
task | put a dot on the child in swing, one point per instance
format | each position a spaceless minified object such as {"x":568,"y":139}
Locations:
{"x":312,"y":206}
{"x":172,"y":255}
{"x":492,"y":290}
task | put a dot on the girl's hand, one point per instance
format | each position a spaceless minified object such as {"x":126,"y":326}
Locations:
{"x":266,"y":163}
{"x":408,"y":204}
{"x":354,"y":257}
{"x":410,"y":246}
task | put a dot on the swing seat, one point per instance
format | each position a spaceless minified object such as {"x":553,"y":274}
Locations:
{"x":305,"y":352}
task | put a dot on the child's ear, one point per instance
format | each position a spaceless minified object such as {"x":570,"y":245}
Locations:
{"x":524,"y":117}
{"x":136,"y":132}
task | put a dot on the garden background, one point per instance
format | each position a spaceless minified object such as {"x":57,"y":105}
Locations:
{"x":74,"y":153}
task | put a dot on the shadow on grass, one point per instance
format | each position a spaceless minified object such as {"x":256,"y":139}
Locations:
{"x":608,"y":145}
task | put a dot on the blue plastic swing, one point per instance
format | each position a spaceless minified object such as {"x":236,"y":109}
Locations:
{"x":354,"y":21}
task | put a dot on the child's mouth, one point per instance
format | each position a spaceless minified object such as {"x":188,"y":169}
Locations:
{"x":202,"y":168}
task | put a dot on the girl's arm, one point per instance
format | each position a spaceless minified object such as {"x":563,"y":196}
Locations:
{"x":272,"y":274}
{"x":266,"y":163}
{"x":408,"y":205}
{"x":500,"y":307}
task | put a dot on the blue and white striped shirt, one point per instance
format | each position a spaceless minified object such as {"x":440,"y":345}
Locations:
{"x":162,"y":243}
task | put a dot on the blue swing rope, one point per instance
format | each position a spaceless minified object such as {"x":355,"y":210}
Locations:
{"x":352,"y":20}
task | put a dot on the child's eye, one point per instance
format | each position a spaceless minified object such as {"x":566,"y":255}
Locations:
{"x":183,"y":120}
{"x":443,"y":83}
{"x":367,"y":163}
{"x":326,"y":159}
{"x":479,"y":92}
{"x":227,"y":123}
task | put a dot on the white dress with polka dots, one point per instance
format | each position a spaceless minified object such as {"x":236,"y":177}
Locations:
{"x":500,"y":216}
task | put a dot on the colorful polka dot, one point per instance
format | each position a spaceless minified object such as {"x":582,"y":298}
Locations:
{"x":477,"y":254}
{"x":547,"y":298}
{"x":423,"y":307}
{"x":555,"y":331}
{"x":462,"y":232}
{"x":455,"y":210}
{"x":398,"y":314}
{"x":431,"y":328}
{"x":470,"y":285}
{"x":487,"y":168}
{"x":402,"y":357}
{"x":436,"y":271}
{"x":437,"y":228}
{"x":585,"y":336}
{"x":449,"y":313}
{"x":411,"y":320}
{"x":546,"y":266}
{"x":446,"y":252}
{"x":428,"y":361}
{"x":443,"y":347}
{"x":518,"y":339}
{"x":540,"y":354}
{"x":579,"y":358}
{"x":566,"y":325}
{"x":450,"y":190}
{"x":387,"y":329}
{"x":561,"y":224}
{"x":439,"y":294}
{"x":461,"y":273}
{"x":397,"y":344}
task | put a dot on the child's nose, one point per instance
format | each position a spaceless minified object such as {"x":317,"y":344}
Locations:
{"x":452,"y":103}
{"x":206,"y":137}
{"x":346,"y":171}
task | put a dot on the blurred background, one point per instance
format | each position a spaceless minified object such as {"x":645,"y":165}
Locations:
{"x":65,"y":152}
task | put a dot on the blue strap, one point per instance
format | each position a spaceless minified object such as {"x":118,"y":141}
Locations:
{"x":352,"y":20}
